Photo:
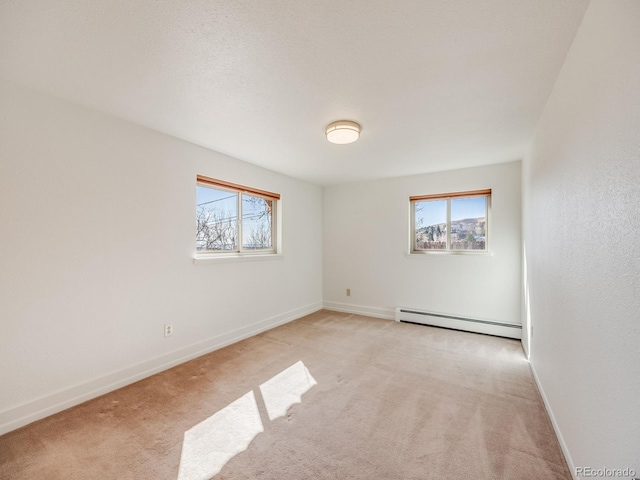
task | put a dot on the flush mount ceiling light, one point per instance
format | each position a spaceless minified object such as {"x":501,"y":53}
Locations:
{"x":342,"y":131}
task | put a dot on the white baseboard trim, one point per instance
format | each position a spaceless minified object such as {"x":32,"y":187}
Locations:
{"x":29,"y":412}
{"x":556,"y":428}
{"x":386,"y":313}
{"x":475,"y":325}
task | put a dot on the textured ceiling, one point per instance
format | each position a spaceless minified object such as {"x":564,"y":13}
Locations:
{"x":436,"y":85}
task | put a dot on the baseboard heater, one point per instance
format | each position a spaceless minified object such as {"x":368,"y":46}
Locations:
{"x":409,"y":315}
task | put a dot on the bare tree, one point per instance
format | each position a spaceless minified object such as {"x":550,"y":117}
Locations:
{"x":216,"y":229}
{"x":260,"y":236}
{"x":260,"y":216}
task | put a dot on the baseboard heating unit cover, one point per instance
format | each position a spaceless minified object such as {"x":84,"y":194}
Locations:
{"x":411,"y":315}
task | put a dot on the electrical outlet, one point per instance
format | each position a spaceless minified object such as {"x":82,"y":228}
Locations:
{"x":168,"y":330}
{"x":348,"y":292}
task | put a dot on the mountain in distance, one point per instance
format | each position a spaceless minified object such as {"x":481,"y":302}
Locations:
{"x":466,"y":229}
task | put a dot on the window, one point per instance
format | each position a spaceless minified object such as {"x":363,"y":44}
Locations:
{"x":451,"y":222}
{"x":232,"y":218}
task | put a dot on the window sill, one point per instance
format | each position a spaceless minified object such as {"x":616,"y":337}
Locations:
{"x":206,"y":259}
{"x":449,"y":252}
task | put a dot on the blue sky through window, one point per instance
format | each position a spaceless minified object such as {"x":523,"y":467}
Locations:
{"x":431,"y":213}
{"x":435,"y":212}
{"x":473,"y":207}
{"x":214,"y":198}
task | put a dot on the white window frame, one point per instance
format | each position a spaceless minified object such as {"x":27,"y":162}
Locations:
{"x":448,"y":197}
{"x":217,"y":184}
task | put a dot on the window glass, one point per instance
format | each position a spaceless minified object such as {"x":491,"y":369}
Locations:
{"x":468,"y":223}
{"x":233,"y":218}
{"x":256,"y":222}
{"x":431,"y":225}
{"x":217,"y":219}
{"x":450,"y":222}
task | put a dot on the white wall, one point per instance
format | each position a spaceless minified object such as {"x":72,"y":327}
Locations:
{"x":366,"y":241}
{"x":97,"y":223}
{"x":581,"y":183}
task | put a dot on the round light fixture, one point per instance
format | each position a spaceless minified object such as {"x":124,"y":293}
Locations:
{"x":343,"y":131}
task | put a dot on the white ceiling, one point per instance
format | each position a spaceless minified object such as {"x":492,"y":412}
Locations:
{"x":435,"y":84}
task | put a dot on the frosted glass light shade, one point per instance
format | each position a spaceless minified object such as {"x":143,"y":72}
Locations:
{"x":343,"y":131}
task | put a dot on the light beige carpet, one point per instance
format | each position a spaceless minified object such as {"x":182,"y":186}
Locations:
{"x":329,"y":396}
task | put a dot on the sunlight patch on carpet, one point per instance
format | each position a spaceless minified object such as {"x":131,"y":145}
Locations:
{"x":286,"y":388}
{"x":208,"y":446}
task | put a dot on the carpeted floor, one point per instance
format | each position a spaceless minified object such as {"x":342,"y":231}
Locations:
{"x":329,"y":396}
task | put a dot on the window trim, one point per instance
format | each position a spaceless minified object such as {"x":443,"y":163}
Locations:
{"x":242,"y":189}
{"x":214,"y":182}
{"x":448,"y":197}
